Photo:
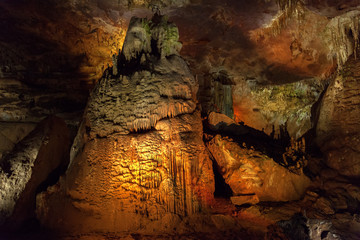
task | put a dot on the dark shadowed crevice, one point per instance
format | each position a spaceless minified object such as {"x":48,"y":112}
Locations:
{"x":52,"y":179}
{"x":222,"y":189}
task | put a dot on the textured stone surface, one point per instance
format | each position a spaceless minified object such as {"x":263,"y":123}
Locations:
{"x":139,"y":154}
{"x":28,"y":104}
{"x":248,"y":171}
{"x":248,"y":58}
{"x":72,"y":50}
{"x":12,"y":133}
{"x":338,"y":126}
{"x":321,"y":229}
{"x":23,"y":106}
{"x":245,"y":199}
{"x":29,"y":165}
{"x":223,"y":222}
{"x":341,"y":43}
{"x":287,"y":105}
{"x":220,"y":122}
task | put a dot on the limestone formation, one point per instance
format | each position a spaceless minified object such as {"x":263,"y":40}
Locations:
{"x":28,"y":166}
{"x":221,"y":122}
{"x":153,"y":4}
{"x":27,"y":105}
{"x":321,"y":229}
{"x":288,"y":104}
{"x":343,"y":36}
{"x":244,"y":199}
{"x":139,"y":167}
{"x":249,"y":172}
{"x":338,"y":125}
{"x":11,"y":134}
{"x":139,"y":154}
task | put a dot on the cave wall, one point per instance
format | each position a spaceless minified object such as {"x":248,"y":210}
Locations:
{"x":264,"y":68}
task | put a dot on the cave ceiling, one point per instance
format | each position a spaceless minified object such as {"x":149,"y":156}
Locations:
{"x":75,"y":39}
{"x":65,"y":46}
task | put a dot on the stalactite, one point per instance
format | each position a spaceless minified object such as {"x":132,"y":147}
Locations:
{"x":115,"y":64}
{"x":289,"y":9}
{"x":343,"y":32}
{"x":184,"y":183}
{"x":286,"y":4}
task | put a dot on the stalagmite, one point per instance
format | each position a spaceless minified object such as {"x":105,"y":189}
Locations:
{"x":142,"y":140}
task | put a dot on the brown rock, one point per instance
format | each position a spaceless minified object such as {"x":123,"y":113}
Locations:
{"x":339,"y":201}
{"x":250,"y":172}
{"x":221,"y":122}
{"x":139,"y":160}
{"x":223,"y":222}
{"x":309,"y":198}
{"x":216,"y":120}
{"x":324,"y":206}
{"x":12,"y":133}
{"x":245,"y":199}
{"x":338,"y":126}
{"x":347,"y":225}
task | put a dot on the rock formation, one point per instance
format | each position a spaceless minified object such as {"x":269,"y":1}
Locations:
{"x":265,"y":76}
{"x":338,"y":126}
{"x":249,"y":172}
{"x":139,"y":155}
{"x":25,"y":170}
{"x":343,"y":36}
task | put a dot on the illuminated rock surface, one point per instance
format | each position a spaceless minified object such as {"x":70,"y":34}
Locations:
{"x":262,"y":69}
{"x":29,"y":165}
{"x":338,"y":127}
{"x":139,"y":155}
{"x":249,"y":172}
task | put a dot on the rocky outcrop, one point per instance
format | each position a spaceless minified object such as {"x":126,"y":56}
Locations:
{"x":67,"y":51}
{"x":215,"y":93}
{"x":146,"y":90}
{"x":249,"y":172}
{"x":343,"y":36}
{"x":25,"y":169}
{"x":271,"y":107}
{"x":11,"y":134}
{"x":338,"y":126}
{"x":221,"y":122}
{"x":71,"y":50}
{"x":29,"y":104}
{"x":139,"y":154}
{"x":23,"y":106}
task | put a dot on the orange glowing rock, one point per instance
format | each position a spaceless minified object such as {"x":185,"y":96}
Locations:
{"x":139,"y":161}
{"x":250,"y":172}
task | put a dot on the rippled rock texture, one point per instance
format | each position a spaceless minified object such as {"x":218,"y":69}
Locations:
{"x":338,"y":127}
{"x":138,"y":159}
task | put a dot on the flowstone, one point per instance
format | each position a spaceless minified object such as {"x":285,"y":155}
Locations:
{"x":139,"y":154}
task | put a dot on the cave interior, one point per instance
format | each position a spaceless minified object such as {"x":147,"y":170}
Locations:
{"x":188,"y":119}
